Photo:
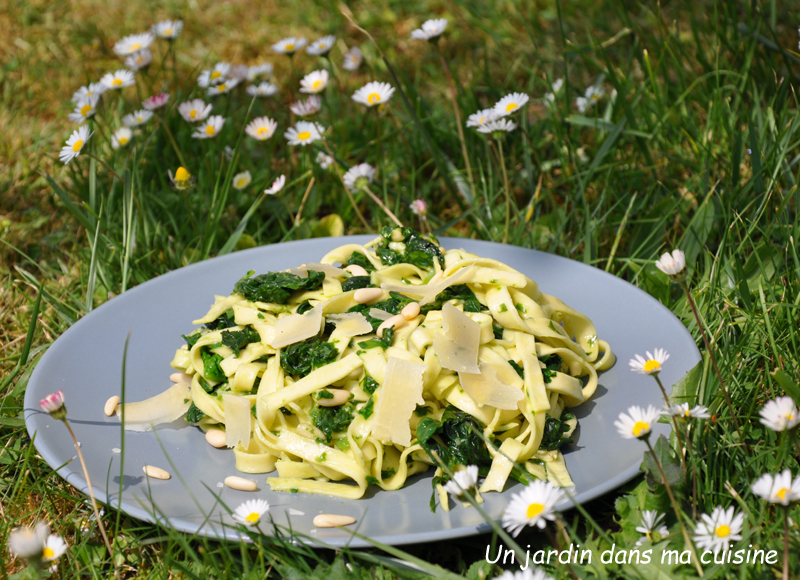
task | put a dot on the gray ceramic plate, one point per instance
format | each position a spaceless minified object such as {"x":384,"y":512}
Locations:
{"x":86,"y":362}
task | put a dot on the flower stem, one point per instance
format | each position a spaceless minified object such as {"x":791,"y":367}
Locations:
{"x":674,"y":422}
{"x":453,"y":96}
{"x":785,"y":543}
{"x":713,"y":361}
{"x":347,"y":191}
{"x":91,"y":496}
{"x":385,"y":209}
{"x":675,"y":507}
{"x":505,"y":183}
{"x":690,"y":453}
{"x":303,"y":202}
{"x":106,"y":165}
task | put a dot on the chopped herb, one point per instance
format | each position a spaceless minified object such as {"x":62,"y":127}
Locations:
{"x":324,"y":394}
{"x":276,"y":287}
{"x":384,"y":343}
{"x":503,"y":308}
{"x":387,"y":473}
{"x":193,"y":415}
{"x":372,"y":480}
{"x":369,"y":384}
{"x":498,"y":331}
{"x":286,"y":411}
{"x":552,"y":364}
{"x":253,"y":411}
{"x":553,"y":328}
{"x":343,"y":444}
{"x":366,"y":411}
{"x":192,"y":339}
{"x":517,"y":368}
{"x":554,"y":430}
{"x":356,"y":282}
{"x":421,"y":411}
{"x":520,"y":307}
{"x":322,"y":457}
{"x":260,"y":316}
{"x":330,"y":420}
{"x":418,"y":250}
{"x":211,"y":368}
{"x":238,"y":339}
{"x":303,"y":357}
{"x":294,"y":490}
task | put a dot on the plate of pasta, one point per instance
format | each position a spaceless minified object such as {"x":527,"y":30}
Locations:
{"x":355,"y":376}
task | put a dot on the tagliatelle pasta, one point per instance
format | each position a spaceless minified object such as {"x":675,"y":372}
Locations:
{"x":455,"y":359}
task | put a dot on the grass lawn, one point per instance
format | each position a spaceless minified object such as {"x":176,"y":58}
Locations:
{"x":689,"y":139}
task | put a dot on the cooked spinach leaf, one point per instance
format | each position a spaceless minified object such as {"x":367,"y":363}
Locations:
{"x":457,"y":292}
{"x":192,"y":339}
{"x":359,"y":259}
{"x":331,"y":420}
{"x":324,"y":394}
{"x":519,"y":369}
{"x":276,"y":287}
{"x":384,"y":343}
{"x":225,"y":320}
{"x":304,"y":307}
{"x":193,"y":415}
{"x":356,"y":282}
{"x":552,"y":364}
{"x":211,"y":368}
{"x":413,"y":249}
{"x":366,"y":411}
{"x":303,"y":357}
{"x":238,"y":339}
{"x":498,"y":331}
{"x":553,"y":431}
{"x":369,"y":384}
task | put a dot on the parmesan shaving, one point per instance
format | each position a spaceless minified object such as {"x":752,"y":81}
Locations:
{"x":380,"y":314}
{"x":458,"y":348}
{"x":351,"y":324}
{"x":398,"y":397}
{"x":297,"y":327}
{"x":163,"y":408}
{"x":430,"y":291}
{"x":489,"y":388}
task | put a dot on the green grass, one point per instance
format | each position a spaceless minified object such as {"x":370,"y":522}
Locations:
{"x":698,"y":150}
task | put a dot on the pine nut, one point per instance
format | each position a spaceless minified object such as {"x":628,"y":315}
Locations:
{"x":180,"y":378}
{"x":332,"y":520}
{"x":395,"y":322}
{"x":357,"y":270}
{"x":155,"y":472}
{"x":366,"y":295}
{"x":111,"y":406}
{"x":436,"y":277}
{"x":240,"y":483}
{"x":340,"y":397}
{"x":410,"y":311}
{"x":216,"y":438}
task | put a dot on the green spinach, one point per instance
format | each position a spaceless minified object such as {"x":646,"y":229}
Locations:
{"x":553,"y":431}
{"x":238,"y":339}
{"x":418,"y":250}
{"x":276,"y":287}
{"x":330,"y":420}
{"x":303,"y":357}
{"x":356,"y":282}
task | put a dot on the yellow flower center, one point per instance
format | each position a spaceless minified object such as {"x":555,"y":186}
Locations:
{"x":181,"y":174}
{"x":595,"y":97}
{"x":116,"y":82}
{"x":781,"y":493}
{"x":648,"y":535}
{"x":221,"y":88}
{"x":481,"y":120}
{"x":510,"y":107}
{"x":652,"y":365}
{"x":241,"y":183}
{"x":373,"y":98}
{"x":85,"y":110}
{"x":640,"y":427}
{"x":304,"y":135}
{"x":253,"y":518}
{"x":193,"y":113}
{"x":48,"y":553}
{"x":123,"y":140}
{"x":167,"y":32}
{"x":78,"y":145}
{"x":289,"y":47}
{"x":215,"y":74}
{"x":136,"y":46}
{"x":686,"y":413}
{"x":210,"y":130}
{"x":723,"y":531}
{"x":262,"y":130}
{"x":534,"y":510}
{"x":316,"y":85}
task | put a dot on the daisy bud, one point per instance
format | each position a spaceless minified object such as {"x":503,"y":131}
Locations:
{"x":419,"y":208}
{"x":54,"y":404}
{"x":673,"y":265}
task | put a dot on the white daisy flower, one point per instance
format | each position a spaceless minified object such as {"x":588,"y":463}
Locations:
{"x":715,"y":532}
{"x":510,"y":104}
{"x":239,"y":72}
{"x":480,"y":118}
{"x":54,"y":548}
{"x":307,"y":108}
{"x":289,"y":45}
{"x":780,"y":414}
{"x":550,"y":98}
{"x":250,"y":512}
{"x":74,"y":144}
{"x":590,"y":97}
{"x":304,"y":133}
{"x":581,"y":103}
{"x":210,"y":128}
{"x":133,"y":43}
{"x":139,"y":59}
{"x":683,"y":411}
{"x":557,"y":84}
{"x":215,"y":75}
{"x":652,"y":523}
{"x":137,"y":118}
{"x":497,"y":126}
{"x":324,"y":160}
{"x":222,"y":88}
{"x":118,"y":80}
{"x":28,"y":543}
{"x":168,"y":29}
{"x":84,"y":109}
{"x":121,"y":137}
{"x":352,"y":59}
{"x":277,"y":185}
{"x":462,"y":481}
{"x":242,"y":180}
{"x":673,"y":264}
{"x":779,"y":489}
{"x":373,"y":93}
{"x":650,"y":365}
{"x":527,"y":574}
{"x":265,"y":89}
{"x":321,"y":46}
{"x":84,"y":92}
{"x":314,"y":82}
{"x":85,"y":523}
{"x":261,"y":128}
{"x":430,"y":29}
{"x":182,"y":178}
{"x":419,"y":208}
{"x":194,"y":110}
{"x":638,"y":422}
{"x":533,"y":506}
{"x":259,"y":72}
{"x":359,"y":176}
{"x":156,"y":101}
